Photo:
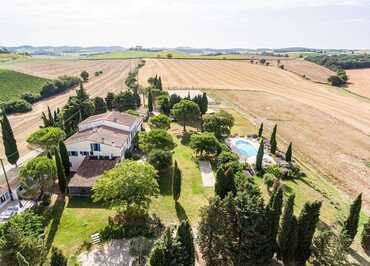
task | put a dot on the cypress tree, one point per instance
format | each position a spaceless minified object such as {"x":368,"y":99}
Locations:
{"x":307,"y":222}
{"x":50,"y":117}
{"x":273,"y":143}
{"x":260,"y":131}
{"x":288,"y":256}
{"x":109,"y":100}
{"x":57,"y":258}
{"x":275,"y":207}
{"x":259,"y":158}
{"x":60,"y":172}
{"x":185,"y":236}
{"x":284,"y":236}
{"x":351,"y":224}
{"x":150,"y":101}
{"x":288,"y":154}
{"x":176,"y":182}
{"x":204,"y":105}
{"x":365,"y":237}
{"x":159,"y":85}
{"x":10,"y":144}
{"x":21,"y":260}
{"x":225,"y":182}
{"x":65,"y":158}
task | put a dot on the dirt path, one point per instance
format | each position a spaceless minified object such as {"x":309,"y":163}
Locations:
{"x":328,"y":125}
{"x":112,"y":79}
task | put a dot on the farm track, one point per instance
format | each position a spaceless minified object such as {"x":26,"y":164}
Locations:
{"x":112,"y":80}
{"x":329,"y":126}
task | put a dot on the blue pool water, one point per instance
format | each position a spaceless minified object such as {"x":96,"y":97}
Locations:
{"x":245,"y":148}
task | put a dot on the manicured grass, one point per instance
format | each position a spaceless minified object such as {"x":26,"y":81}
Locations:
{"x":13,"y":84}
{"x":73,"y":222}
{"x":193,"y":194}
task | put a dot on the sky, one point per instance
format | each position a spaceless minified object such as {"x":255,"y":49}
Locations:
{"x":190,"y":23}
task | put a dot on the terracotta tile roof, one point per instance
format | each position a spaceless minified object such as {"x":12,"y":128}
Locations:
{"x":89,"y":171}
{"x":116,"y":117}
{"x":102,"y":134}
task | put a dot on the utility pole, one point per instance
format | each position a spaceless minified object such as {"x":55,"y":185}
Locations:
{"x":6,"y":179}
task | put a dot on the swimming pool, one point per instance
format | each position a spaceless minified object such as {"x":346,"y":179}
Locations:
{"x":245,"y":148}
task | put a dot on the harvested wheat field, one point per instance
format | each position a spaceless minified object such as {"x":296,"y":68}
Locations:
{"x":329,"y":127}
{"x":359,"y":81}
{"x":112,"y":79}
{"x":308,"y":70}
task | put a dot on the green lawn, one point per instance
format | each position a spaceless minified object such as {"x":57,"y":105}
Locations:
{"x":193,"y":194}
{"x":73,"y":222}
{"x":13,"y":84}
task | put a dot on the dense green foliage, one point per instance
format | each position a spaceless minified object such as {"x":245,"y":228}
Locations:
{"x":57,"y":258}
{"x":225,"y":178}
{"x":109,"y":100}
{"x":160,"y":159}
{"x":219,"y":123}
{"x":274,"y":208}
{"x":125,"y":100}
{"x":176,"y":182}
{"x":150,"y":101}
{"x":273,"y":141}
{"x":205,"y":144}
{"x":47,"y":137}
{"x":226,"y":157}
{"x":160,"y":121}
{"x":9,"y":142}
{"x":341,"y":61}
{"x":365,"y":236}
{"x":259,"y":157}
{"x":336,"y":81}
{"x":163,"y":102}
{"x":100,"y":105}
{"x":350,"y":226}
{"x":65,"y":158}
{"x":288,"y":154}
{"x":307,"y":222}
{"x":185,"y":236}
{"x":37,"y":175}
{"x":23,"y":233}
{"x":62,"y":182}
{"x":129,"y":186}
{"x":186,"y":111}
{"x":62,"y":84}
{"x":156,"y":139}
{"x":260,"y":131}
{"x":84,"y":75}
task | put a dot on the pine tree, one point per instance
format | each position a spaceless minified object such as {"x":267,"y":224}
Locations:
{"x":150,"y":101}
{"x":176,"y":182}
{"x":21,"y":260}
{"x":225,"y":182}
{"x":82,"y":94}
{"x":350,"y":226}
{"x":285,"y":229}
{"x":65,"y":159}
{"x":60,"y":172}
{"x":365,"y":237}
{"x":100,"y":105}
{"x":307,"y":222}
{"x":273,"y":143}
{"x":259,"y":158}
{"x":275,"y":207}
{"x":57,"y":258}
{"x":260,"y":131}
{"x":288,"y":154}
{"x":10,"y":144}
{"x":185,"y":237}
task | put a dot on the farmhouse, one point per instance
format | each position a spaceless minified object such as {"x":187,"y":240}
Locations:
{"x":100,"y":142}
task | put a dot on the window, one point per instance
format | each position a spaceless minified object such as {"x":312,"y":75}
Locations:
{"x":95,"y":147}
{"x":73,"y":153}
{"x":84,"y":153}
{"x":2,"y":199}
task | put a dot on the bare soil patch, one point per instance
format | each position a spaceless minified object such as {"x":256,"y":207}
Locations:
{"x":112,"y":79}
{"x":330,"y":127}
{"x":359,"y":81}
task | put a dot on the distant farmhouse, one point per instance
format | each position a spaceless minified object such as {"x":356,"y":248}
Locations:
{"x":101,"y":142}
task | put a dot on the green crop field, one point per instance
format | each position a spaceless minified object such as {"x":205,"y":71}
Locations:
{"x":13,"y":84}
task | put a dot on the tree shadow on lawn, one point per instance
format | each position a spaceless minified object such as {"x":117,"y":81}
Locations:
{"x":165,"y":182}
{"x":55,"y":216}
{"x":84,"y":203}
{"x":180,"y":212}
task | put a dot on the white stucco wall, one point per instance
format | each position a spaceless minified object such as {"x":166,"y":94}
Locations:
{"x":106,"y":150}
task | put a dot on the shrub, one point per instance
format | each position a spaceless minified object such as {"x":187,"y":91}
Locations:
{"x":30,"y":98}
{"x":160,"y":159}
{"x":274,"y":170}
{"x":17,"y":106}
